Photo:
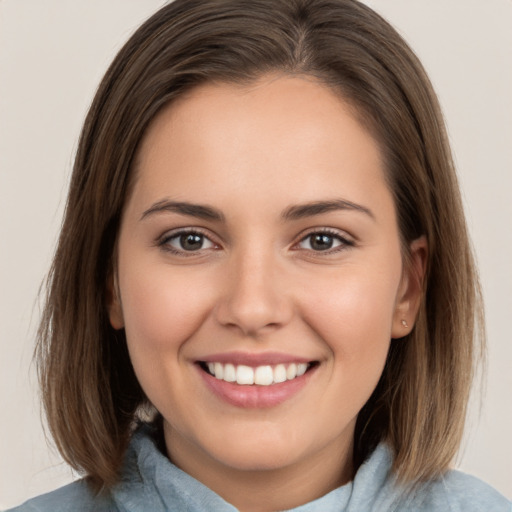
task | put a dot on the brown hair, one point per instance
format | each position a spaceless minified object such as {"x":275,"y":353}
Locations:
{"x":90,"y":391}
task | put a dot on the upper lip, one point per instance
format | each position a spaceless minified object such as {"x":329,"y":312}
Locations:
{"x":254,"y":359}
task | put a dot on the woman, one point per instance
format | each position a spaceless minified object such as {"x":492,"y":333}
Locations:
{"x":264,"y":250}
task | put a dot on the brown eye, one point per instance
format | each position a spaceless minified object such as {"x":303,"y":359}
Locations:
{"x":189,"y":241}
{"x":323,"y":242}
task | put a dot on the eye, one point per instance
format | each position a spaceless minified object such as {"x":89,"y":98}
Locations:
{"x":322,"y":241}
{"x":186,"y":241}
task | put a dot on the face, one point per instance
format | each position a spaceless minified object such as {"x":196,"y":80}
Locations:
{"x":259,"y":276}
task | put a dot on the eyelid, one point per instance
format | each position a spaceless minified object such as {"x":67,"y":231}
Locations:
{"x":345,"y":239}
{"x":162,"y":240}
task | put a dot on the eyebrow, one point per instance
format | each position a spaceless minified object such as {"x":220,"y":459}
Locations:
{"x":319,"y":207}
{"x":184,"y":208}
{"x":295,"y":212}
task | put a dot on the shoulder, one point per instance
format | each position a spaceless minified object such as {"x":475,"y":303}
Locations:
{"x":466,"y":493}
{"x":459,"y":492}
{"x":454,"y":491}
{"x":76,"y":497}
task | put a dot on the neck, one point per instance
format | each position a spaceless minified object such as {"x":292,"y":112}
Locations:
{"x":266,"y":490}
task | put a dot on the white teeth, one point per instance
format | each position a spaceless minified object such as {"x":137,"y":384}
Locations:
{"x":244,"y":374}
{"x":280,"y":373}
{"x":219,"y":370}
{"x":264,"y":376}
{"x":301,"y":369}
{"x":261,"y":375}
{"x":291,"y":372}
{"x":229,"y":373}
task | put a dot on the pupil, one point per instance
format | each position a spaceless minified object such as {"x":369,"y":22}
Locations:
{"x":321,"y":242}
{"x":191,"y":241}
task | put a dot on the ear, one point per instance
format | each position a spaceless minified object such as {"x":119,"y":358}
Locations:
{"x":114,"y":307}
{"x":410,"y":291}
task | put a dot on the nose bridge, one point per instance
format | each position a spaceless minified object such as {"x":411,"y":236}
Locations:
{"x":255,"y":298}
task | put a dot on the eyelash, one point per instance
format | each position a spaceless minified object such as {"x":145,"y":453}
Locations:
{"x":345,"y":243}
{"x":164,"y":241}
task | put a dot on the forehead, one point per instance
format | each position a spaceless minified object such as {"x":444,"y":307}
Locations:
{"x":293,"y":134}
{"x":279,"y":102}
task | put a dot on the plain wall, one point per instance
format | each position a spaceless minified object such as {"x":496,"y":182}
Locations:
{"x":52,"y":56}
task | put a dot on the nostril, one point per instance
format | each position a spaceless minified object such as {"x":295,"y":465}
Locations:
{"x":252,"y":305}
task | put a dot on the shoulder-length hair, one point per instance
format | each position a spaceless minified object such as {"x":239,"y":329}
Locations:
{"x":90,"y":391}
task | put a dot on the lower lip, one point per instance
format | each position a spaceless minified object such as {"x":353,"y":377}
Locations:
{"x":254,"y":396}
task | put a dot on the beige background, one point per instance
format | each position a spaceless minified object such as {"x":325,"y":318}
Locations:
{"x":52,"y":55}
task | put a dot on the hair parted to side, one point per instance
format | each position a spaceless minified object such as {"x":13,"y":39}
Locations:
{"x":89,"y":388}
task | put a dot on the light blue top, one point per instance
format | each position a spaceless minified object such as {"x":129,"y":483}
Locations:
{"x":151,"y":483}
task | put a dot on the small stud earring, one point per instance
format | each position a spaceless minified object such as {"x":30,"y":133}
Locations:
{"x":404,"y":323}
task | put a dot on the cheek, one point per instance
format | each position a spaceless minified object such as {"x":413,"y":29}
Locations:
{"x":353,"y":315}
{"x":355,"y":324}
{"x":352,"y":306}
{"x":162,"y":309}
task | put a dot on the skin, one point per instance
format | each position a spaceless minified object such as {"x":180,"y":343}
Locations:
{"x":257,"y":283}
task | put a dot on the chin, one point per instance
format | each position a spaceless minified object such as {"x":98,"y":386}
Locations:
{"x":257,"y":460}
{"x":261,"y":453}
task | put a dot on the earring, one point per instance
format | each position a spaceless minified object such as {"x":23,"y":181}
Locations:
{"x":404,"y":323}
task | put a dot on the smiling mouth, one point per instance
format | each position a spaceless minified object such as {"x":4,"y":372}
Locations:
{"x":264,"y":375}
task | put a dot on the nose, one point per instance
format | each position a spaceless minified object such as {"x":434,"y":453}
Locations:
{"x":255,"y":299}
